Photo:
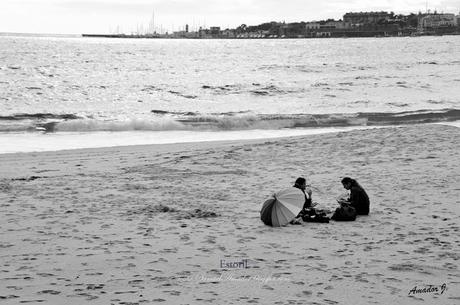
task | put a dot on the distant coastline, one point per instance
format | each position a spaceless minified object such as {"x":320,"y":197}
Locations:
{"x":353,"y":24}
{"x":362,"y":35}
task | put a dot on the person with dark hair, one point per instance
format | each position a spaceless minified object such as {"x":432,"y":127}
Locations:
{"x":301,"y":184}
{"x":308,"y":210}
{"x":358,"y":196}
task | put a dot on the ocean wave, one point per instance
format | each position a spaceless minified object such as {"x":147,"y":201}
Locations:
{"x":38,"y":116}
{"x":168,"y":121}
{"x":412,"y":117}
{"x":88,"y":125}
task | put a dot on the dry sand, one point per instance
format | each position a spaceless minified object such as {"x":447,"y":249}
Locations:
{"x":121,"y":225}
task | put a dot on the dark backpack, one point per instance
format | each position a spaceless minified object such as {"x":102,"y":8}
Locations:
{"x":344,"y":213}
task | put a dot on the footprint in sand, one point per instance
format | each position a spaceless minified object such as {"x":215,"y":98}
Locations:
{"x":184,"y":237}
{"x":49,"y":291}
{"x":7,"y":297}
{"x":206,"y":250}
{"x":392,"y":279}
{"x":158,"y":300}
{"x":422,"y":250}
{"x":94,"y":286}
{"x":125,"y":292}
{"x":335,"y":278}
{"x":44,"y":274}
{"x":210,"y":239}
{"x":135,"y":283}
{"x":169,"y":250}
{"x":327,"y":301}
{"x":360,"y":277}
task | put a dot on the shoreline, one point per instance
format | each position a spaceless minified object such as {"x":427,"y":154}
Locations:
{"x":153,"y":223}
{"x":300,"y":133}
{"x":268,"y":134}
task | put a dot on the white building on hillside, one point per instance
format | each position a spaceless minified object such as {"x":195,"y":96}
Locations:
{"x":435,"y":21}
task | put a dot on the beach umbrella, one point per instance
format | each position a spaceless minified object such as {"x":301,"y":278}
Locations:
{"x":282,"y":207}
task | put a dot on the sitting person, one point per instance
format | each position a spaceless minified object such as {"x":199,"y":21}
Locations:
{"x":301,"y":184}
{"x":308,"y":206}
{"x":358,"y":196}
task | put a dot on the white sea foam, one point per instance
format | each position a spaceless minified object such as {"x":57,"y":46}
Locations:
{"x":218,"y":122}
{"x":27,"y":142}
{"x":90,"y":125}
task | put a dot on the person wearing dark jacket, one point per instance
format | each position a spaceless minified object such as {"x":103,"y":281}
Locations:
{"x":358,"y":196}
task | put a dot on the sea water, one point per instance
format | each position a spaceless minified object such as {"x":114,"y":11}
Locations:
{"x":73,"y":92}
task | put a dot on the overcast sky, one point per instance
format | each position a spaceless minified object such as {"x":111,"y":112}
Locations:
{"x":105,"y":16}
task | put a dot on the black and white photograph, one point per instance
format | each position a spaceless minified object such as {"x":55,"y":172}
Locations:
{"x":229,"y":152}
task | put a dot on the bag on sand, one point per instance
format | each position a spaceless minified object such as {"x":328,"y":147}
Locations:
{"x":344,"y":213}
{"x":315,"y":216}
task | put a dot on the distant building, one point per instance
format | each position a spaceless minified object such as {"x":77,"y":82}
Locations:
{"x":333,"y":24}
{"x":184,"y":34}
{"x":313,"y":25}
{"x":178,"y":34}
{"x":323,"y":34}
{"x":293,"y":30}
{"x":363,"y":18}
{"x":228,"y":33}
{"x":214,"y":30}
{"x":327,"y":28}
{"x":353,"y":24}
{"x":191,"y":34}
{"x":437,"y":21}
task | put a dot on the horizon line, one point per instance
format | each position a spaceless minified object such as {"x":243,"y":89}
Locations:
{"x":80,"y":33}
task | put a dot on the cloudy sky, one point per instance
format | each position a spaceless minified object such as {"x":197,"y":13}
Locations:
{"x":106,"y":16}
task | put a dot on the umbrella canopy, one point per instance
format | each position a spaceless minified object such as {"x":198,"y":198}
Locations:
{"x":282,"y":207}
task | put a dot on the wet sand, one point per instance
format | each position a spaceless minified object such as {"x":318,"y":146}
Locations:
{"x":153,"y":224}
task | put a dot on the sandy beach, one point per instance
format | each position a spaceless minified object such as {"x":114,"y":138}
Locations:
{"x":154,"y":224}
